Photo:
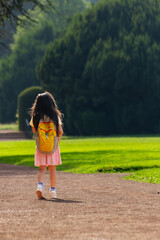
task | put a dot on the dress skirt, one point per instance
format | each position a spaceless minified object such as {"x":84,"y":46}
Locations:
{"x":47,"y":159}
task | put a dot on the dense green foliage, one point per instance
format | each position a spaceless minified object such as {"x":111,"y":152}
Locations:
{"x":17,"y":71}
{"x":12,"y":10}
{"x":11,"y":13}
{"x":25,"y":102}
{"x":105,"y":72}
{"x":136,"y":155}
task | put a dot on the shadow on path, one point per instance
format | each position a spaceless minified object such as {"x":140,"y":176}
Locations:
{"x":59,"y":200}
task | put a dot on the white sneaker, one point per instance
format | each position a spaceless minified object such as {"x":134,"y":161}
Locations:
{"x":52,"y":193}
{"x":39,"y":191}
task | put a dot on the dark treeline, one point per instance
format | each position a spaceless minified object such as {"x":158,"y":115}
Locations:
{"x":105,"y":71}
{"x":8,"y":29}
{"x":17,"y":70}
{"x":11,"y":13}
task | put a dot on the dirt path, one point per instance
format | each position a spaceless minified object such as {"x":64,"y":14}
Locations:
{"x":94,"y":206}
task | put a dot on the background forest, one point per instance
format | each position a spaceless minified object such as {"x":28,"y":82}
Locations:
{"x":102,"y":66}
{"x":17,"y":69}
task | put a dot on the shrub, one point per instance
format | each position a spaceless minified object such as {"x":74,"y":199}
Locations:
{"x":25,"y":101}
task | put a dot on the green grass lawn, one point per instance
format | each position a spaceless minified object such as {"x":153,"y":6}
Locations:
{"x":139,"y":156}
{"x":9,"y":126}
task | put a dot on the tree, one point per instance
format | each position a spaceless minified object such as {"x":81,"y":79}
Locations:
{"x":104,"y":73}
{"x":11,"y":12}
{"x":17,"y":71}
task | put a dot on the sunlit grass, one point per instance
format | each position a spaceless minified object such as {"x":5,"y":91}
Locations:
{"x":138,"y":155}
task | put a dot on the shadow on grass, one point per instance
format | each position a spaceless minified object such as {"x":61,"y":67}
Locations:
{"x":125,"y":169}
{"x":96,"y":159}
{"x":26,"y":160}
{"x":17,"y":165}
{"x":117,"y":161}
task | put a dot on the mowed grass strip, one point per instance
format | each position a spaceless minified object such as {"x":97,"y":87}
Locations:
{"x":137,"y":155}
{"x":9,"y":126}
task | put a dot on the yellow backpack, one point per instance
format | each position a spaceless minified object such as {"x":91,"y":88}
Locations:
{"x":46,"y":137}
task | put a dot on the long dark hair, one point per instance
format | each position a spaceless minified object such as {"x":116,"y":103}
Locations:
{"x":45,"y":104}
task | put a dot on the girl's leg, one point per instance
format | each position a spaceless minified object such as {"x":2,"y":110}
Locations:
{"x":41,"y":173}
{"x":52,"y":171}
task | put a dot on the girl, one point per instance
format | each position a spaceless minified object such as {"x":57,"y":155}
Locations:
{"x":45,"y":110}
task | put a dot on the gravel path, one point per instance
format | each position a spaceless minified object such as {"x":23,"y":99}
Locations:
{"x":89,"y":206}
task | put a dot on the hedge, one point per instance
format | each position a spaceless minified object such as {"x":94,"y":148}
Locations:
{"x":25,"y":102}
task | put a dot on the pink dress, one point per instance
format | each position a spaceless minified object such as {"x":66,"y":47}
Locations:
{"x":47,"y":159}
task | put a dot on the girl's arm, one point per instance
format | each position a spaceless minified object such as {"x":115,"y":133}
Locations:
{"x":60,"y":130}
{"x":33,"y":128}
